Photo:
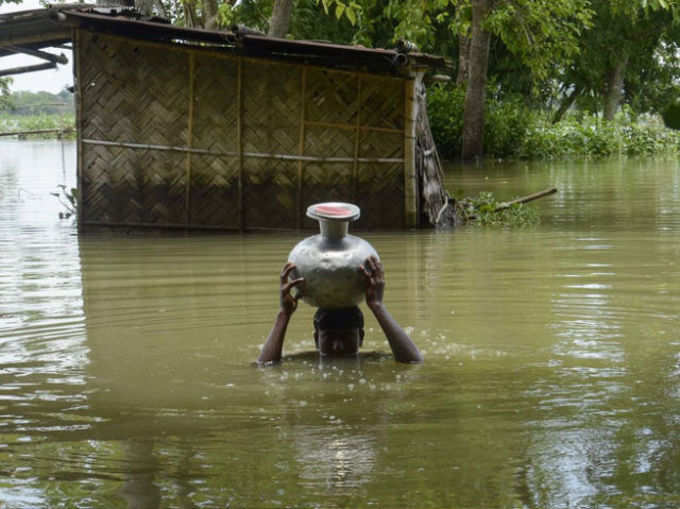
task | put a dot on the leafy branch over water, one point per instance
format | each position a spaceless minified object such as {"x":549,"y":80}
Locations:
{"x":68,"y":199}
{"x":485,"y":210}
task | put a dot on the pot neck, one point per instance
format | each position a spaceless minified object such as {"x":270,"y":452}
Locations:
{"x":333,"y":230}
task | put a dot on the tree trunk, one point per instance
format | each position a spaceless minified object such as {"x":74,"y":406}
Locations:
{"x":190,"y":17}
{"x":278,"y":25}
{"x":145,"y":7}
{"x":615,"y":87}
{"x":566,"y":103}
{"x":473,"y":109}
{"x":210,"y":14}
{"x":463,"y":58}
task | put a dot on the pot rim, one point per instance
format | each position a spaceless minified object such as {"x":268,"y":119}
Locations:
{"x":334,"y":211}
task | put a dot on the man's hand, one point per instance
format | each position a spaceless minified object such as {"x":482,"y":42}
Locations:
{"x":375,"y":276}
{"x":402,"y":346}
{"x":271,"y":351}
{"x":288,"y":302}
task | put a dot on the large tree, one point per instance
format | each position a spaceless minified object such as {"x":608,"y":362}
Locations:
{"x":629,"y":40}
{"x":280,"y":20}
{"x":537,"y":33}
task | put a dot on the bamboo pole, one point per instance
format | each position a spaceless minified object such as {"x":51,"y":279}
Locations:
{"x":27,"y":68}
{"x":254,"y":155}
{"x":190,"y":133}
{"x":357,"y":140}
{"x":55,"y":59}
{"x":301,"y":150}
{"x":37,"y":131}
{"x":239,"y":144}
{"x":410,"y":196}
{"x":352,"y":127}
{"x":78,"y":101}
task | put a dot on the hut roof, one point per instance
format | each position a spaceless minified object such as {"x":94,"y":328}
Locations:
{"x":51,"y":26}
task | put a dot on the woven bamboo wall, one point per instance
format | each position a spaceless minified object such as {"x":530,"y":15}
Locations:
{"x":179,"y":137}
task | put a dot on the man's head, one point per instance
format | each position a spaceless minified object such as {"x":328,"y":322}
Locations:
{"x":338,"y":332}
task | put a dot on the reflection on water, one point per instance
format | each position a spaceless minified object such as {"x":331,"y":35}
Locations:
{"x":552,"y":373}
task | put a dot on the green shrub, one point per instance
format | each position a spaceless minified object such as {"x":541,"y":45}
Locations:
{"x":482,"y":210}
{"x":505,"y":122}
{"x":592,"y":137}
{"x":511,"y":130}
{"x":505,"y":126}
{"x":445,"y":110}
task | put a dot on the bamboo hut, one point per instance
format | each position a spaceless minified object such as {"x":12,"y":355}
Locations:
{"x":188,"y":128}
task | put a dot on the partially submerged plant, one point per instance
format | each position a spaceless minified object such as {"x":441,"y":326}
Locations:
{"x":486,"y":211}
{"x":68,"y":199}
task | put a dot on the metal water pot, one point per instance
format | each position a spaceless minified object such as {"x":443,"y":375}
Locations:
{"x":330,"y":261}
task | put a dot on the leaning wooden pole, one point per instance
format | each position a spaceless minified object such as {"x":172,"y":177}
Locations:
{"x":434,"y":199}
{"x":526,"y":199}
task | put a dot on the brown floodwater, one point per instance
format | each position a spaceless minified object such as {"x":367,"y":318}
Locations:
{"x":551,"y":379}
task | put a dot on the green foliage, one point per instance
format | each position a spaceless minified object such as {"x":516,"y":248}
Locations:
{"x":539,"y":33}
{"x":484,"y":210}
{"x":351,"y":10}
{"x":505,"y":122}
{"x":445,"y":111}
{"x":544,"y":141}
{"x":5,"y":100}
{"x":593,"y":137}
{"x":505,"y":125}
{"x":639,"y":35}
{"x":512,"y":130}
{"x":36,"y":122}
{"x":308,"y":21}
{"x":37,"y":103}
{"x":68,"y":199}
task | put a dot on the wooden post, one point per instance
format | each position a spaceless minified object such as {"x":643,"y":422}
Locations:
{"x":410,"y":183}
{"x":301,"y":150}
{"x":190,"y":134}
{"x":357,"y":141}
{"x":239,"y":144}
{"x":78,"y":102}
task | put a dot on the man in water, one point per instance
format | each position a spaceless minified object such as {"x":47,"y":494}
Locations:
{"x":340,"y":332}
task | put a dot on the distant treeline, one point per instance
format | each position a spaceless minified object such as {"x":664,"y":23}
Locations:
{"x":26,"y":103}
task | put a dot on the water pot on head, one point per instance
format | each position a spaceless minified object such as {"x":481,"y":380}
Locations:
{"x":330,"y":261}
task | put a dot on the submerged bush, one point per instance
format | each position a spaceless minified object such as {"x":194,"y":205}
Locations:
{"x":483,"y":210}
{"x":597,"y":138}
{"x":511,"y":130}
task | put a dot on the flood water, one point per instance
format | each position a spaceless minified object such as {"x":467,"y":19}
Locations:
{"x":551,"y":379}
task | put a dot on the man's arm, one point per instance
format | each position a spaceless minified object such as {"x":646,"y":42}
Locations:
{"x":271,"y":351}
{"x":402,"y":346}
